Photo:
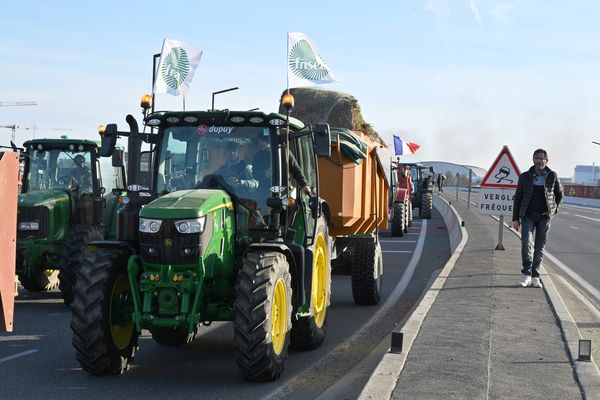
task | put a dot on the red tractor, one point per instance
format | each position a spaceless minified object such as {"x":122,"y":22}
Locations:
{"x":401,"y":198}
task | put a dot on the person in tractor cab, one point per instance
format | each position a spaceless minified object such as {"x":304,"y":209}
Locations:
{"x":236,"y":171}
{"x":80,"y":176}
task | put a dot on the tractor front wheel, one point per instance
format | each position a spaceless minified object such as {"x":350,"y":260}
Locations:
{"x":263,"y":310}
{"x":104,"y":335}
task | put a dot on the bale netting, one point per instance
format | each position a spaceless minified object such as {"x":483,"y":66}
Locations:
{"x":338,"y":109}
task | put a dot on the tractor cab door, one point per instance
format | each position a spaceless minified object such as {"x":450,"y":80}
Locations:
{"x":110,"y":176}
{"x":303,"y":178}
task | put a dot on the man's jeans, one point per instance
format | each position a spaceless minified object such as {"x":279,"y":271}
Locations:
{"x":532,"y":252}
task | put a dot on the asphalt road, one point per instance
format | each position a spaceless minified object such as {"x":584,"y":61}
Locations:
{"x":38,"y":361}
{"x":575,"y":240}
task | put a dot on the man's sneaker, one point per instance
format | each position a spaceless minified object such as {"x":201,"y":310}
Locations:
{"x":536,"y":282}
{"x":526,"y":280}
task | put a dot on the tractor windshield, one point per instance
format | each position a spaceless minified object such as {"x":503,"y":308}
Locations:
{"x":237,"y":159}
{"x":59,"y":169}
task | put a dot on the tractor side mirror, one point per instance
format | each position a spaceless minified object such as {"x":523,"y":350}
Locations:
{"x":118,"y":158}
{"x":322,"y":136}
{"x":109,"y":140}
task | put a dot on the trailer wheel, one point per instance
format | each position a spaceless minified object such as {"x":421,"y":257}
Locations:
{"x":104,"y":335}
{"x":309,"y":332}
{"x":426,"y":205}
{"x":263,"y":310}
{"x":398,"y":219}
{"x":41,"y":280}
{"x":71,"y":252}
{"x":173,"y":336}
{"x":367,"y":268}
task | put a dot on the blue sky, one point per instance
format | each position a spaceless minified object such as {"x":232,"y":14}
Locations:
{"x":461,"y":78}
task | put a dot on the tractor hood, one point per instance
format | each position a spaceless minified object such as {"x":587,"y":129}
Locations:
{"x":184,"y":204}
{"x":46,"y":198}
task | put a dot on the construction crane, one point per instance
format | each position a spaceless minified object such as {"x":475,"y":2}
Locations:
{"x":17,"y":103}
{"x":34,"y":127}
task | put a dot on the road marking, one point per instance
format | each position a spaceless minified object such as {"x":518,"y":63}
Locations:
{"x":583,"y":216}
{"x":573,"y":227}
{"x":396,"y":251}
{"x":582,"y":282}
{"x":398,"y":241}
{"x":24,"y":353}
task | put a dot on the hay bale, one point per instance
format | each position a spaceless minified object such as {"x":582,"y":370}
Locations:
{"x":338,"y":109}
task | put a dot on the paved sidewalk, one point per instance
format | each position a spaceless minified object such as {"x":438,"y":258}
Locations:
{"x":485,"y":337}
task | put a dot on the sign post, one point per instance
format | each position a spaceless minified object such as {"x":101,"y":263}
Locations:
{"x":498,"y":188}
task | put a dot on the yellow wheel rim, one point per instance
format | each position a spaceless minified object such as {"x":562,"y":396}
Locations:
{"x":279,"y":316}
{"x":320,"y":281}
{"x":50,"y":272}
{"x":121,"y":332}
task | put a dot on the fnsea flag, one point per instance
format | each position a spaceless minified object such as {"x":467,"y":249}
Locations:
{"x":178,"y":62}
{"x":305,"y":65}
{"x":402,"y":147}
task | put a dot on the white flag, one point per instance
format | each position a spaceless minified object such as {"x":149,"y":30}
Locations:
{"x":305,"y":65}
{"x":178,"y":62}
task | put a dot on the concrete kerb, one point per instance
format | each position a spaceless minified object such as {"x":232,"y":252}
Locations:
{"x":587,"y":373}
{"x":383,"y":379}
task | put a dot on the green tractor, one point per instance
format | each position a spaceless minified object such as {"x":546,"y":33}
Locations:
{"x":62,"y":207}
{"x":422,"y":179}
{"x":224,"y":233}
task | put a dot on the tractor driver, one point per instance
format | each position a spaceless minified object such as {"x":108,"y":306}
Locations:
{"x":80,"y":176}
{"x":236,"y":172}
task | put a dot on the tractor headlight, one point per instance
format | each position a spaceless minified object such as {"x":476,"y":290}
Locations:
{"x":29,"y":226}
{"x":190,"y":225}
{"x":150,"y":225}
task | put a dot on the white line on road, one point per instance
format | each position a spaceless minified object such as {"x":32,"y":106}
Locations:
{"x":398,"y":241}
{"x":583,"y":216}
{"x":573,"y":227}
{"x":582,"y":282}
{"x":24,"y":353}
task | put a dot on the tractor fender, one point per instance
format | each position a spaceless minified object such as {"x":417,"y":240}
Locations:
{"x":295,"y":256}
{"x":401,"y":195}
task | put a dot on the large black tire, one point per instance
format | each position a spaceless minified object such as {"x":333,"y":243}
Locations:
{"x":41,"y":280}
{"x":263,"y":311}
{"x":426,"y":206}
{"x":398,"y":219}
{"x":367,"y":268}
{"x":104,"y":336}
{"x":309,"y":332}
{"x":173,"y":336}
{"x":73,"y":248}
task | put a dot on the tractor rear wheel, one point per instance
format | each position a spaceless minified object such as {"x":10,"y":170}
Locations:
{"x":76,"y":240}
{"x":173,"y":336}
{"x":309,"y":332}
{"x":367,"y":268}
{"x":426,"y":205}
{"x":104,"y":335}
{"x":398,"y":220}
{"x":263,"y":311}
{"x":41,"y":280}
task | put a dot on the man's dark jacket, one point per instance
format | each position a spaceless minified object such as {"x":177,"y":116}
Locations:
{"x":552,"y":189}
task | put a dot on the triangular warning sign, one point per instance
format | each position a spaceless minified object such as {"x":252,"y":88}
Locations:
{"x":504,"y":172}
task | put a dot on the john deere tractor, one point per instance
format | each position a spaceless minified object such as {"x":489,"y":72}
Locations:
{"x":224,"y":233}
{"x":62,"y":207}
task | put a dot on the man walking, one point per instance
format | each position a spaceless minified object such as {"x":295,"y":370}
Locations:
{"x":537,"y":198}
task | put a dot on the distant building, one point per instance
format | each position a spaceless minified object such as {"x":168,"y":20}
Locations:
{"x":587,"y":174}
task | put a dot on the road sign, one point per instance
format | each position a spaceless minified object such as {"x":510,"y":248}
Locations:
{"x":495,"y":201}
{"x":504,"y":172}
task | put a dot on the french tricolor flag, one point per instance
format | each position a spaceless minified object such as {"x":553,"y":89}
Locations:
{"x":402,"y":147}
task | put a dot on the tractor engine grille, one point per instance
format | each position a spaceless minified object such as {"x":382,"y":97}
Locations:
{"x":33,"y":214}
{"x":168,"y":246}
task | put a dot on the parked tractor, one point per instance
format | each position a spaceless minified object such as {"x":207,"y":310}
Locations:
{"x":63,"y":206}
{"x":230,"y":229}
